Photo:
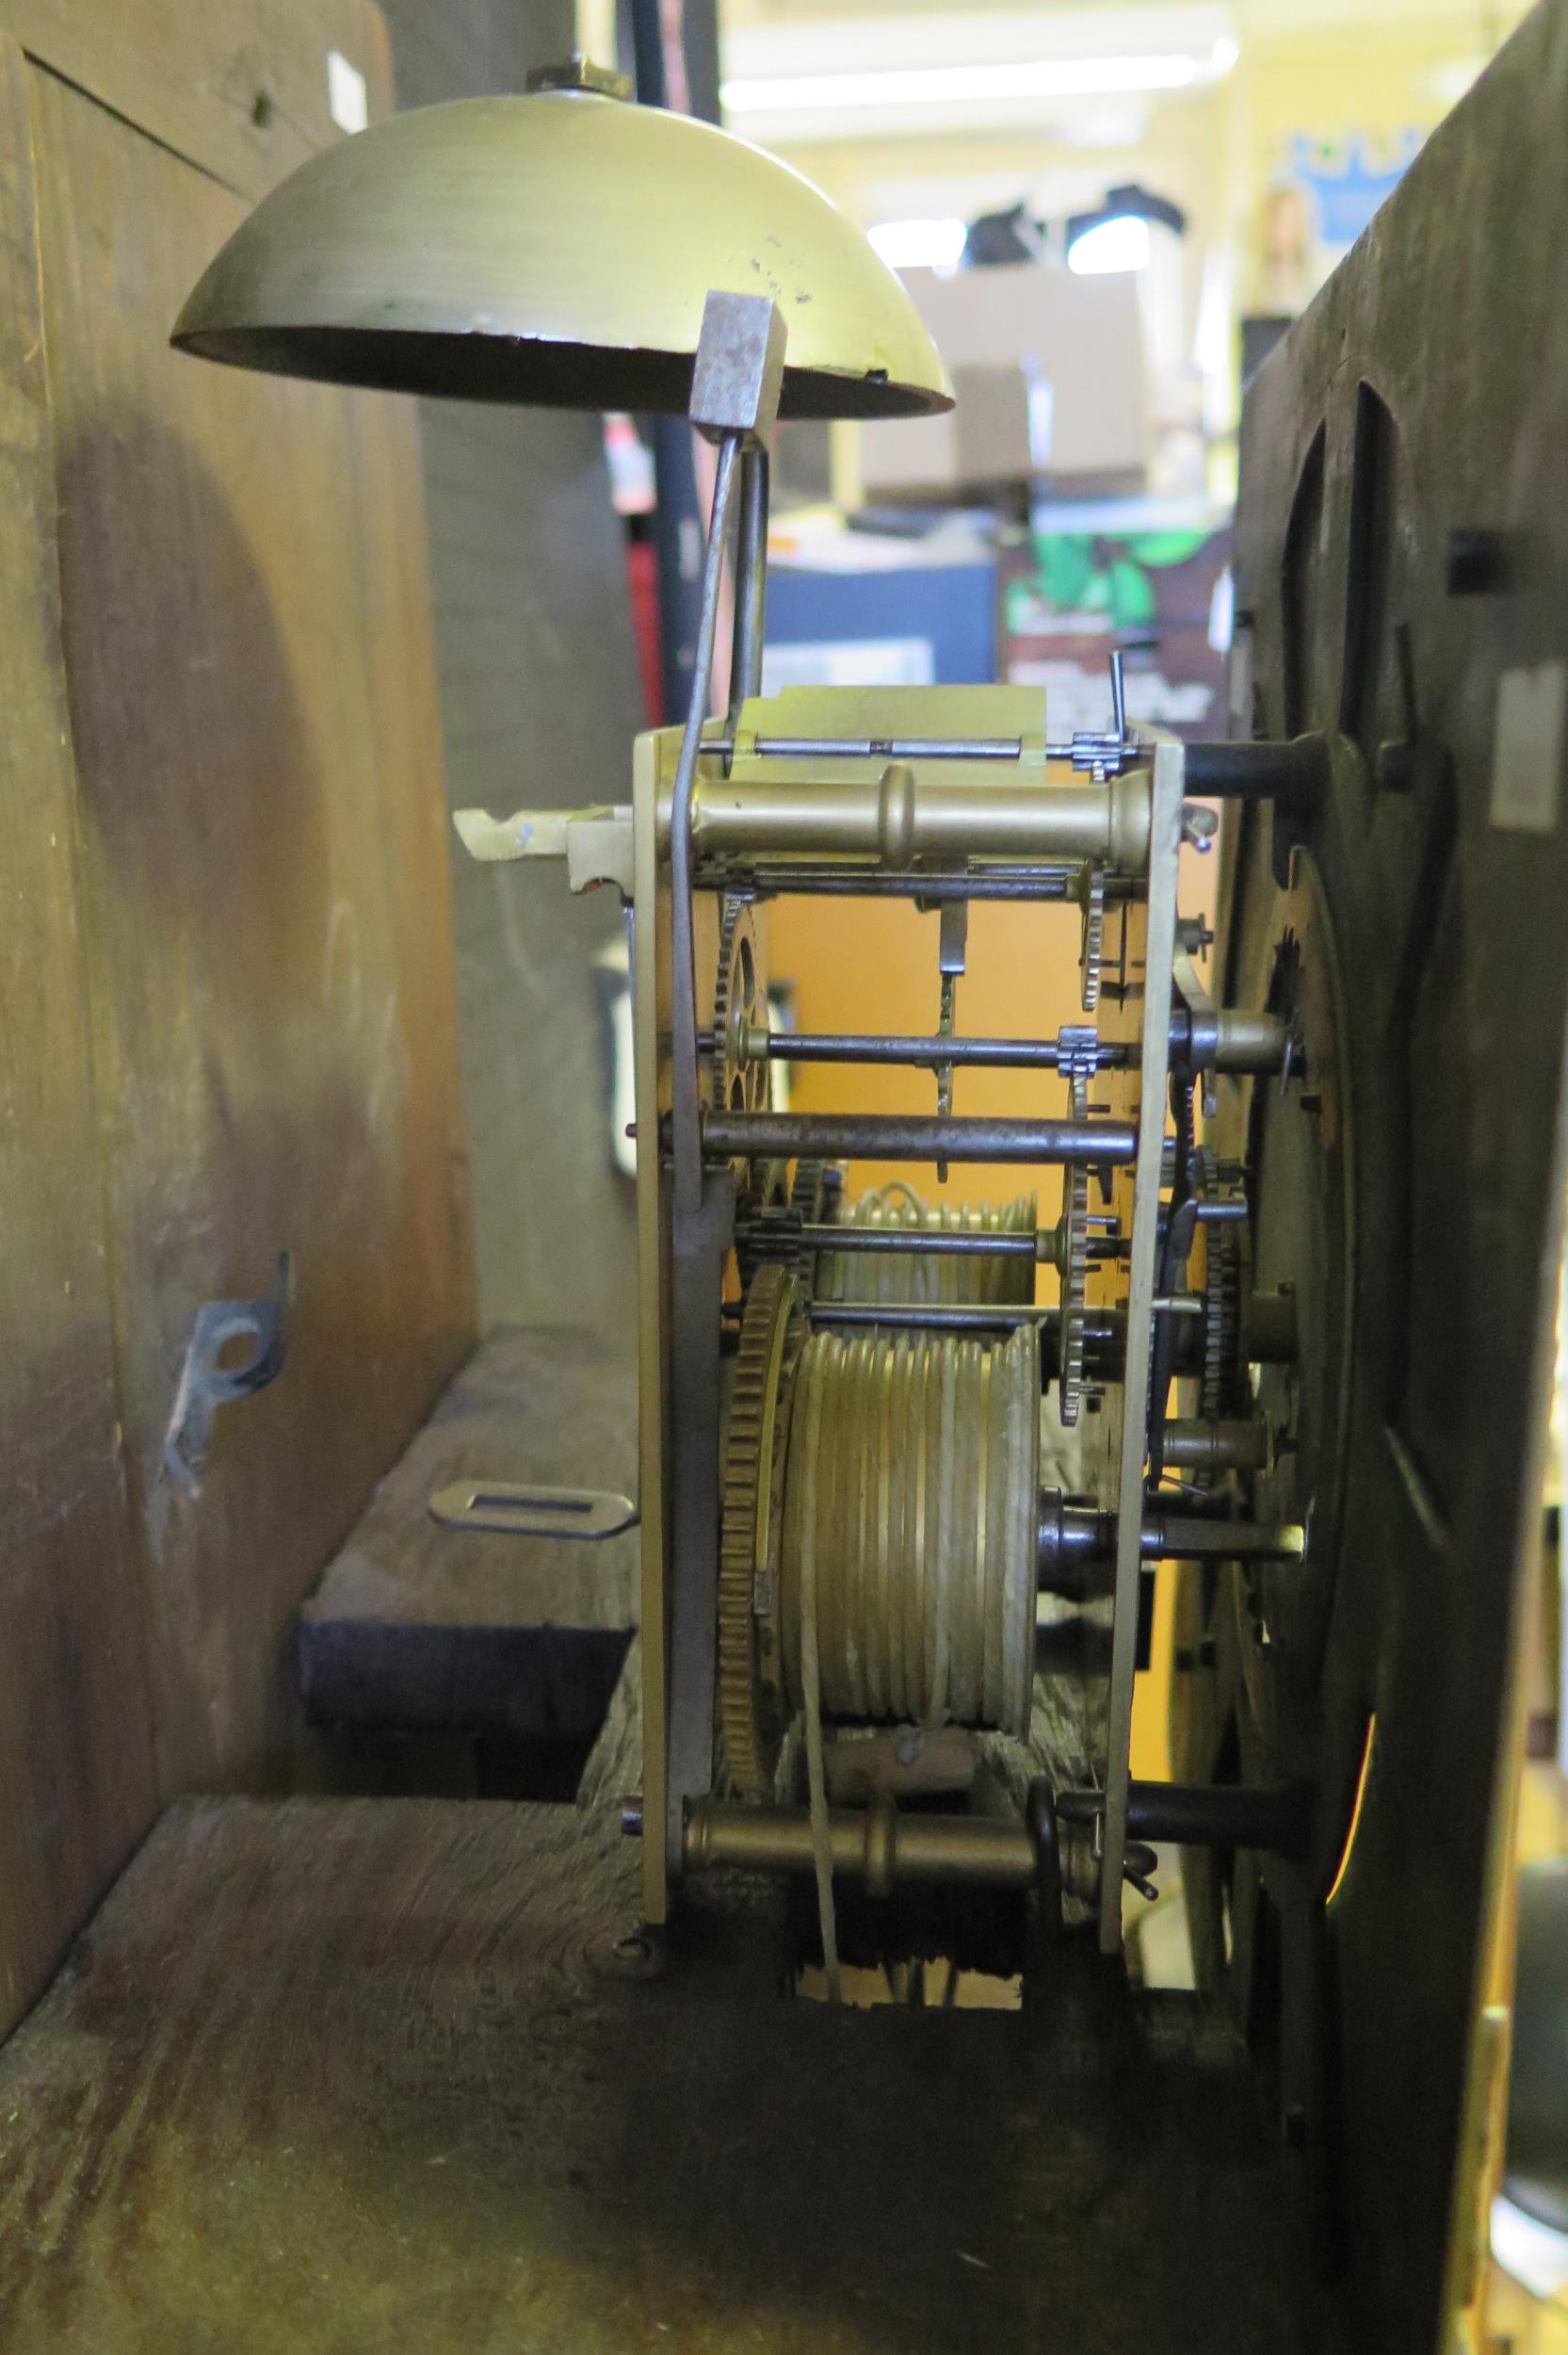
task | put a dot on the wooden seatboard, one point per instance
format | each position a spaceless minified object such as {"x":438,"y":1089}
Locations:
{"x":418,"y":1625}
{"x":376,"y":2074}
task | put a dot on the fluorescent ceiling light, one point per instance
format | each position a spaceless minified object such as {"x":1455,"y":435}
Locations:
{"x":924,"y":85}
{"x":919,"y":244}
{"x":1118,"y":244}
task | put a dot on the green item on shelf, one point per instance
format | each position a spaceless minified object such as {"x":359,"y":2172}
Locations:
{"x":1082,"y":573}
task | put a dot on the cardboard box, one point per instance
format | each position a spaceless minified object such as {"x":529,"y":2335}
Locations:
{"x":1050,"y":376}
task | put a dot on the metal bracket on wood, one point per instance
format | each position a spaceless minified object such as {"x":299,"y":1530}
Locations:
{"x":207,"y":1382}
{"x":525,"y":1509}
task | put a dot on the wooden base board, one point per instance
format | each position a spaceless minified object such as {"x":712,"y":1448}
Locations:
{"x":382,"y":2075}
{"x":420,"y":1628}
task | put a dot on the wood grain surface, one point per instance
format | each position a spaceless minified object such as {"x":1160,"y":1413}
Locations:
{"x":539,"y":701}
{"x":265,"y":904}
{"x":229,"y":1019}
{"x":376,"y":2074}
{"x":420,"y":1626}
{"x":237,"y":87}
{"x":76,"y":1788}
{"x":1418,"y":410}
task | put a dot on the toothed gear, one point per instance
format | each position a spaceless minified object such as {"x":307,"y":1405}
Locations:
{"x":1072,"y":1257}
{"x":762,"y":1213}
{"x":752,"y":1715}
{"x":770,"y":1214}
{"x":737,"y":1081}
{"x":1221,"y":1323}
{"x":815,"y":1198}
{"x":1224,"y":1269}
{"x":815,"y":1190}
{"x":1092,"y":898}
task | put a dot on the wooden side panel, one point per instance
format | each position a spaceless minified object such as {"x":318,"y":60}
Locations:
{"x":75,"y":1748}
{"x":266,"y":901}
{"x":538,"y":683}
{"x":238,"y":85}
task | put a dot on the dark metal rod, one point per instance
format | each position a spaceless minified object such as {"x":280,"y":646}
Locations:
{"x":1104,"y":1335}
{"x":1294,"y":771}
{"x":874,"y":747}
{"x":945,"y":1316}
{"x":1204,"y":1815}
{"x":1257,"y":1045}
{"x":1190,"y":1538}
{"x":684,"y":1116}
{"x":872,"y":883}
{"x":1269,"y":1328}
{"x":912,"y":1137}
{"x":1118,"y":697}
{"x":940,"y":1241}
{"x":1080,"y":1532}
{"x":751,"y":581}
{"x":1024,"y":1054}
{"x":877,"y":1844}
{"x":1216,"y":1446}
{"x":1105,"y":1339}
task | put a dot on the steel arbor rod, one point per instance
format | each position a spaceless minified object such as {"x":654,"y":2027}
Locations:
{"x":910,"y":1137}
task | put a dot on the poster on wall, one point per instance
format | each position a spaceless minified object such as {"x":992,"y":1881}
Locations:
{"x":1324,"y":189}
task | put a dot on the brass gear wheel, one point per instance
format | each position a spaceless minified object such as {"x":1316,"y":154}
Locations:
{"x":1092,"y":900}
{"x":763,"y":1219}
{"x":781,"y":1199}
{"x":1224,"y":1380}
{"x":1073,"y":1260}
{"x":816,"y":1189}
{"x":752,"y":1713}
{"x":1071,"y":1254}
{"x":737,"y":1080}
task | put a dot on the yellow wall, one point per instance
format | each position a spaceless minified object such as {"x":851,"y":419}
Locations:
{"x":866,"y":964}
{"x":1181,"y":155}
{"x":1216,"y":149}
{"x":1383,"y":80}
